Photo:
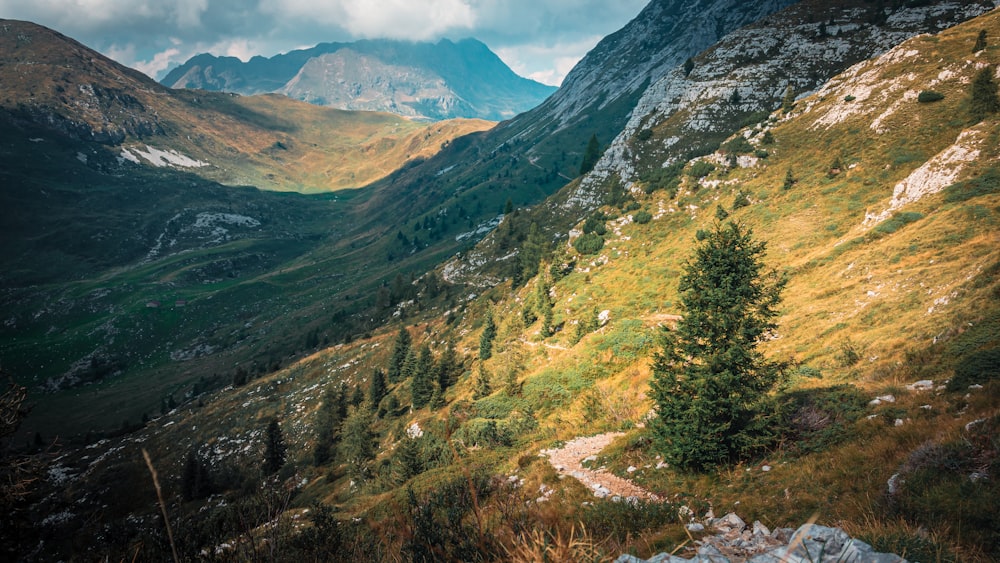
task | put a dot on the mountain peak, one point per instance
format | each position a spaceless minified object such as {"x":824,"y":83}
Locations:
{"x":415,"y":79}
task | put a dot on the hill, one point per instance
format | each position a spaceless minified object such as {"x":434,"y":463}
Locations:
{"x":879,"y":204}
{"x":443,"y":80}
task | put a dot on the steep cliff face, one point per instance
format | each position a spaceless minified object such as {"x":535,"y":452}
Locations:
{"x":431,"y":80}
{"x":747,"y":74}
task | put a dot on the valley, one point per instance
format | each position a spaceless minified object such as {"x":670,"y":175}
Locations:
{"x":463,"y":359}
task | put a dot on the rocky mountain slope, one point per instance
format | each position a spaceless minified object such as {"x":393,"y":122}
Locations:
{"x":441,"y":80}
{"x":690,"y":110}
{"x":881,"y":207}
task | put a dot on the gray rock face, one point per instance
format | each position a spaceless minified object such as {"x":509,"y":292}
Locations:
{"x":749,"y":71}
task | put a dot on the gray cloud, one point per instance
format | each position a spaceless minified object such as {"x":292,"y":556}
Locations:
{"x":540,"y":38}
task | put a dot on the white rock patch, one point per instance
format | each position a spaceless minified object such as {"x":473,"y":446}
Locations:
{"x":936,"y":174}
{"x":159,"y":158}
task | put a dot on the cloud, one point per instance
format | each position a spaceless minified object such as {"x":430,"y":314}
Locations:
{"x":139,"y":33}
{"x":548,"y":64}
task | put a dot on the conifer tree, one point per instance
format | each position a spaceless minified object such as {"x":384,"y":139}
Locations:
{"x":357,"y":396}
{"x":408,"y":458}
{"x":274,"y":448}
{"x":590,"y":155}
{"x":980,"y":41}
{"x":422,"y":384}
{"x":483,"y":388}
{"x":711,"y":383}
{"x":789,"y":180}
{"x":984,"y":95}
{"x":448,"y":368}
{"x":196,"y":481}
{"x":486,"y":338}
{"x":788,"y":101}
{"x":329,"y":418}
{"x":377,"y":389}
{"x":399,"y":350}
{"x":357,"y":445}
{"x":688,"y":67}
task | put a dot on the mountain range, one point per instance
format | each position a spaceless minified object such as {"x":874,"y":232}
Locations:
{"x":424,"y":350}
{"x":442,"y":80}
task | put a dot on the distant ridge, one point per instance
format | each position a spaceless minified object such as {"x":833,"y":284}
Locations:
{"x":440,"y":80}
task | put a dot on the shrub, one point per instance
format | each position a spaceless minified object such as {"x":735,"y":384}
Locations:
{"x":589,"y":243}
{"x":928,"y":96}
{"x":642,"y":217}
{"x":896,"y":222}
{"x":740,"y":201}
{"x":815,"y":419}
{"x":644,"y":135}
{"x":594,"y":224}
{"x":977,"y":367}
{"x":701,"y":169}
{"x":849,"y":98}
{"x":738,"y":145}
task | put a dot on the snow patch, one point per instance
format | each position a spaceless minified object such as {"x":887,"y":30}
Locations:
{"x":160,"y":158}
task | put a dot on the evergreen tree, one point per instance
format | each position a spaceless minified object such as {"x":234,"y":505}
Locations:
{"x":486,"y":338}
{"x":789,"y":180}
{"x":711,"y":384}
{"x":448,"y":368}
{"x":328,"y":420}
{"x":408,"y":458}
{"x":357,"y":444}
{"x":357,"y":396}
{"x":399,"y":350}
{"x":483,"y":388}
{"x":590,"y":155}
{"x":274,"y":448}
{"x":422,"y":385}
{"x":984,"y":95}
{"x":688,"y":67}
{"x":980,"y":41}
{"x":377,"y":389}
{"x":788,"y":101}
{"x":409,"y":365}
{"x":196,"y":481}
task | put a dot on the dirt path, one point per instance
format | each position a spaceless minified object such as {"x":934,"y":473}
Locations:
{"x":569,"y":460}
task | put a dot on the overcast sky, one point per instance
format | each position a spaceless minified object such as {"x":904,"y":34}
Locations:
{"x":541,"y":39}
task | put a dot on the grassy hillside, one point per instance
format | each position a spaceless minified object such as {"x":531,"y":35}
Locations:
{"x":884,"y":289}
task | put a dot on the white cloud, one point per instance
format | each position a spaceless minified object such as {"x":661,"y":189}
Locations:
{"x":159,"y":63}
{"x":540,"y":38}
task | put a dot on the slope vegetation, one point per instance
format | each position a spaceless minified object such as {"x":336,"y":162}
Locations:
{"x":881,"y":206}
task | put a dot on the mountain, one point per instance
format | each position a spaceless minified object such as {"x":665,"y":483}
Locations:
{"x":690,"y":111}
{"x":879,"y":204}
{"x":440,"y":80}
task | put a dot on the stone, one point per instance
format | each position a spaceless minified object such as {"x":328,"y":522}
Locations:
{"x":922,"y":385}
{"x":695,"y":527}
{"x":760,"y":529}
{"x":730,"y":522}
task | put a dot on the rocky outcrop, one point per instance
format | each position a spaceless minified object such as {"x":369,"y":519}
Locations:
{"x":736,"y":542}
{"x":690,"y":110}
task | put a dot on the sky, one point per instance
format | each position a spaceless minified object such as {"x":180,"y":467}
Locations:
{"x":540,"y":39}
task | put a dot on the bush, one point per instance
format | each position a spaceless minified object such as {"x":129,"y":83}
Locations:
{"x":815,"y":419}
{"x":701,"y":169}
{"x":624,"y":520}
{"x":896,"y":222}
{"x":977,"y":367}
{"x":589,"y":243}
{"x":642,"y":217}
{"x":738,"y":145}
{"x":594,"y":224}
{"x":928,"y":96}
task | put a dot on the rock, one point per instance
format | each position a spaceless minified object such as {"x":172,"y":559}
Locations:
{"x":760,"y":529}
{"x":632,"y":469}
{"x":695,"y":527}
{"x":893,"y":483}
{"x":922,"y":385}
{"x":883,"y":399}
{"x":899,"y":422}
{"x":730,"y":522}
{"x":765,"y":468}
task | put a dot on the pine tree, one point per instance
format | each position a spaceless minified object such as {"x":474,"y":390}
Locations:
{"x":984,"y":95}
{"x":688,"y":67}
{"x":711,"y":384}
{"x":408,"y":458}
{"x":448,"y":368}
{"x":357,"y":446}
{"x":788,"y":101}
{"x":422,"y":384}
{"x":980,"y":41}
{"x":590,"y":155}
{"x":274,"y":448}
{"x":377,"y":388}
{"x":486,"y":338}
{"x":483,"y":388}
{"x":789,"y":180}
{"x":196,"y":481}
{"x":357,"y":396}
{"x":399,"y":350}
